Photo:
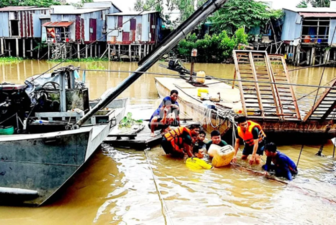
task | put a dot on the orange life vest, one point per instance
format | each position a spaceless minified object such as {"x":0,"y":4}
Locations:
{"x":174,"y":137}
{"x":247,"y":136}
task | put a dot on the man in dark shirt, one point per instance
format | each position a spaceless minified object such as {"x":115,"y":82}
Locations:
{"x":215,"y":139}
{"x":278,"y":162}
{"x":199,"y":145}
{"x":169,"y":105}
{"x":253,"y":136}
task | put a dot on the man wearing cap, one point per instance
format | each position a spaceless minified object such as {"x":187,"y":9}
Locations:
{"x":215,"y":140}
{"x":253,"y":136}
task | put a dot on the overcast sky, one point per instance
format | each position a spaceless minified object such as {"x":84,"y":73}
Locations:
{"x":127,"y":5}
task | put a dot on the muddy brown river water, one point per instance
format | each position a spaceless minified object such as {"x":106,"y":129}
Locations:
{"x":118,"y":186}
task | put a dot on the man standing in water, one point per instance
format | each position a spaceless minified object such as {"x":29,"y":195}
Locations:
{"x":253,"y":136}
{"x":178,"y":142}
{"x":169,"y":106}
{"x":278,"y":162}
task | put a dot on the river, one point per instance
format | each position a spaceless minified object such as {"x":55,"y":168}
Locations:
{"x":118,"y":186}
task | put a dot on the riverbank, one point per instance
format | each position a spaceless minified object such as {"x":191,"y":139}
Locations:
{"x":10,"y":60}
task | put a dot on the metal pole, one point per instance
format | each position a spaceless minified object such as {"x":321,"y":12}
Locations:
{"x":172,"y":40}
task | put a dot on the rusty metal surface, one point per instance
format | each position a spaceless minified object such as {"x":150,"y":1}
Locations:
{"x":58,"y":24}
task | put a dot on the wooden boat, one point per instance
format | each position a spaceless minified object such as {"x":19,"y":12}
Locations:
{"x":262,"y":96}
{"x":46,"y":150}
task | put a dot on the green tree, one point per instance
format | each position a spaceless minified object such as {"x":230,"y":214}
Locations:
{"x":38,"y":3}
{"x":315,"y":3}
{"x":138,"y":5}
{"x":242,"y":13}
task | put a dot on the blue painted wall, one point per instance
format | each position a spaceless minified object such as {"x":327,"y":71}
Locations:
{"x":291,"y":30}
{"x":4,"y":27}
{"x":331,"y":32}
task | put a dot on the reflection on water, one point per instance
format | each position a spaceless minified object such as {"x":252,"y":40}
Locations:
{"x":116,"y":186}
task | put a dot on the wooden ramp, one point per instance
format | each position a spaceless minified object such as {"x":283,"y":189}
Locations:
{"x":261,"y":99}
{"x":324,"y":109}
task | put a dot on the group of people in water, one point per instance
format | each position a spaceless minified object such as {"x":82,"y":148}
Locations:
{"x":186,"y":142}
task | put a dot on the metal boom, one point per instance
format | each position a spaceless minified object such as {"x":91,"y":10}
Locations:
{"x":167,"y":44}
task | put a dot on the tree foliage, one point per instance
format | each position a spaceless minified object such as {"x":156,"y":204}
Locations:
{"x":214,"y":48}
{"x":38,"y":3}
{"x":314,"y":3}
{"x":242,"y":13}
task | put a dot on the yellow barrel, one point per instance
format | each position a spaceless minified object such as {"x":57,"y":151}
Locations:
{"x":200,"y":77}
{"x":223,"y":156}
{"x":197,"y":164}
{"x":202,"y":90}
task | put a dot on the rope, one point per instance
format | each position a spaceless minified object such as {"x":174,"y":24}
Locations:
{"x":164,"y":207}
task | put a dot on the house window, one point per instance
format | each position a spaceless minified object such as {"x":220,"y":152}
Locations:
{"x":315,"y":30}
{"x":14,"y":27}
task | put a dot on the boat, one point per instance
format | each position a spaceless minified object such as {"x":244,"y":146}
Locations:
{"x":42,"y":148}
{"x":263,"y":94}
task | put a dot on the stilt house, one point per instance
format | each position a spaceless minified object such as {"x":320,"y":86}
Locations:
{"x":308,"y":31}
{"x":20,"y":26}
{"x":77,"y":26}
{"x":133,"y":33}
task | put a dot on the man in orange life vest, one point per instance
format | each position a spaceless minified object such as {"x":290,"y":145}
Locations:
{"x":253,"y":136}
{"x":178,"y":142}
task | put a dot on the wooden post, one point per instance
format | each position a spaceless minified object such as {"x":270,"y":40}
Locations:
{"x":326,"y":56}
{"x":2,"y":46}
{"x":31,"y":48}
{"x":99,"y":50}
{"x":91,"y":50}
{"x":109,"y":51}
{"x":139,"y":52}
{"x":78,"y":51}
{"x":114,"y":50}
{"x":70,"y":56}
{"x":313,"y":56}
{"x":129,"y":52}
{"x":17,"y":47}
{"x":9,"y":48}
{"x":298,"y":51}
{"x":308,"y":57}
{"x":86,"y":51}
{"x":24,"y":48}
{"x":48,"y":51}
{"x":95,"y":48}
{"x":119,"y":52}
{"x":145,"y":49}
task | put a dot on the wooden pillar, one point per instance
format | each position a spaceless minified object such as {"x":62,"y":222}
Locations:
{"x":139,"y":52}
{"x":95,"y":48}
{"x":86,"y":51}
{"x":145,"y":49}
{"x":31,"y":48}
{"x":78,"y":51}
{"x":114,"y":50}
{"x":70,"y":56}
{"x":24,"y":48}
{"x":271,"y":48}
{"x":109,"y":51}
{"x":129,"y":52}
{"x":2,"y":46}
{"x":308,"y":56}
{"x":99,"y":51}
{"x":313,"y":56}
{"x":65,"y":51}
{"x":17,"y":47}
{"x":91,"y":50}
{"x":48,"y":51}
{"x":326,"y":56}
{"x":298,"y":51}
{"x":119,"y":52}
{"x":9,"y":48}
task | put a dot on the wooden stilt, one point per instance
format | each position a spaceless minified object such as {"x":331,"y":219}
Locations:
{"x":308,"y":56}
{"x":139,"y":52}
{"x":90,"y":50}
{"x":9,"y":48}
{"x":95,"y":49}
{"x":326,"y":56}
{"x":109,"y":51}
{"x":86,"y":51}
{"x":31,"y":48}
{"x":99,"y":50}
{"x":17,"y":47}
{"x":313,"y":56}
{"x":2,"y":46}
{"x":24,"y":48}
{"x":114,"y":50}
{"x":145,"y":49}
{"x":119,"y":52}
{"x":130,"y":52}
{"x":78,"y":51}
{"x":48,"y":51}
{"x":298,"y":52}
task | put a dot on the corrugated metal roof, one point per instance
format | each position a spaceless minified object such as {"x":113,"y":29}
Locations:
{"x":312,"y":10}
{"x":57,"y":24}
{"x":327,"y":15}
{"x":81,"y":11}
{"x":17,"y":8}
{"x":132,"y":13}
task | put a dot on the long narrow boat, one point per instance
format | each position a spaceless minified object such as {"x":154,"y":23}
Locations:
{"x":263,"y":95}
{"x":39,"y":155}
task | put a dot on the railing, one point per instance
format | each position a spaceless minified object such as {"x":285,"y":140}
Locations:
{"x":314,"y":39}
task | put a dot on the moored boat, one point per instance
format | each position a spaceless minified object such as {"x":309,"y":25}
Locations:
{"x":45,"y":148}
